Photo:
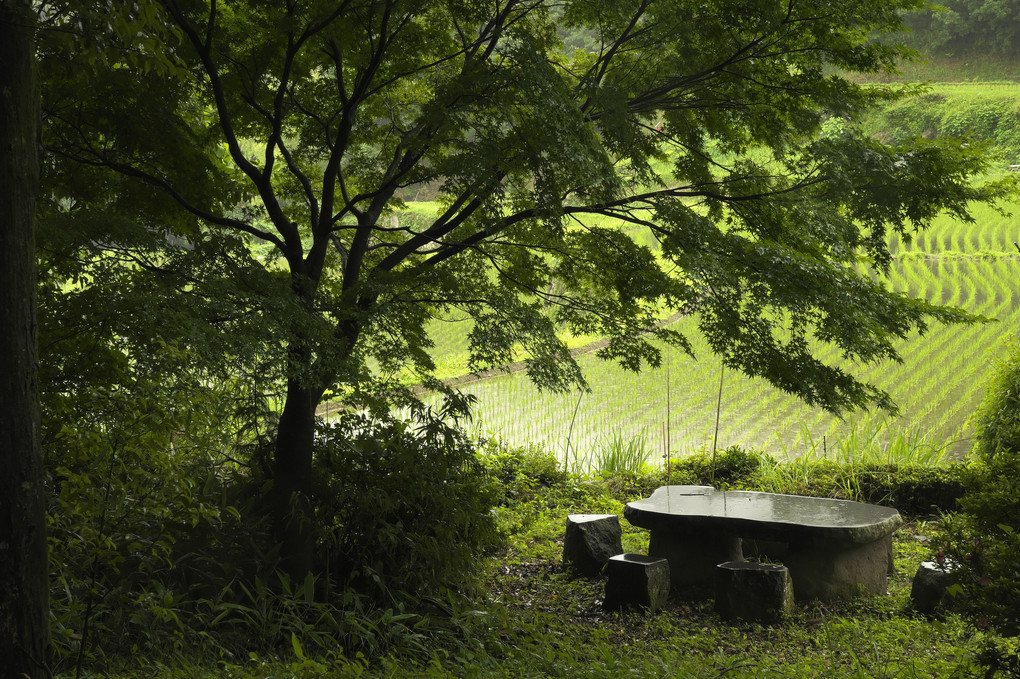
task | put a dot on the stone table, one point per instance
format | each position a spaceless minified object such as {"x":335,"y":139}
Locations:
{"x":833,"y":548}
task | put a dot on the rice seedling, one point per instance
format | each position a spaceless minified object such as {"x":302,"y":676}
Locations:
{"x":936,"y":386}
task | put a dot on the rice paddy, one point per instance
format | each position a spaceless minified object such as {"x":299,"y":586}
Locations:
{"x":673,"y":409}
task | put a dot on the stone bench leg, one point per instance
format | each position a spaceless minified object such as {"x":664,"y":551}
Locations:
{"x":829,"y":572}
{"x":692,"y":559}
{"x":636,"y":581}
{"x":753,"y":591}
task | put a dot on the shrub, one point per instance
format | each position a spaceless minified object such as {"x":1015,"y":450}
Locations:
{"x":913,"y":489}
{"x":985,"y":540}
{"x":731,"y":468}
{"x":989,"y":117}
{"x":403,"y":508}
{"x":999,"y":657}
{"x":521,"y":470}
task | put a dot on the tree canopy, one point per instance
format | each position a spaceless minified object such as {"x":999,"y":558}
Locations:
{"x":252,"y":164}
{"x":966,"y":27}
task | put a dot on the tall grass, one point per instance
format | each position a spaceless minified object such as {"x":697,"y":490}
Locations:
{"x":873,"y":442}
{"x":612,"y":454}
{"x":869,"y":445}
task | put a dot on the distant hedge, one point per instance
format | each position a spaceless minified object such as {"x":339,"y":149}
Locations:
{"x":990,"y":116}
{"x":955,"y":27}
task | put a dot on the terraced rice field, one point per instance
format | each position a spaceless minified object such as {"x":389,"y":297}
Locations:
{"x":937,"y":386}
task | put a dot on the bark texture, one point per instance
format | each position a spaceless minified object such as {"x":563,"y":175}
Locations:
{"x":24,"y":626}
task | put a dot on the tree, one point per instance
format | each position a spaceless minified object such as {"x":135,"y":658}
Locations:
{"x":975,"y":27}
{"x":24,"y":588}
{"x":699,"y":157}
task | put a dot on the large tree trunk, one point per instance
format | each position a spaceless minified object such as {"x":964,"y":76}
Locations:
{"x":24,"y":601}
{"x":292,"y":508}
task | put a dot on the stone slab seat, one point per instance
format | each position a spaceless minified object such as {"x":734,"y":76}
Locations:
{"x":589,"y":541}
{"x":834,"y":548}
{"x":745,"y":590}
{"x":636,"y":581}
{"x":930,"y":585}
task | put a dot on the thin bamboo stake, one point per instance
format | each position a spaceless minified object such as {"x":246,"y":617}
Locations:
{"x":718,"y":408}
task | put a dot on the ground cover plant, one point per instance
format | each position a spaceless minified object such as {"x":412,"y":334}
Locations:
{"x":533,"y":619}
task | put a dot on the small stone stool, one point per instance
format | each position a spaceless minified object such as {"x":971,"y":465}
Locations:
{"x":930,"y":584}
{"x":636,"y":581}
{"x":747,"y":590}
{"x":589,"y":542}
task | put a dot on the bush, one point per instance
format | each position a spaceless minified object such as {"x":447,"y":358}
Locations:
{"x":520,"y":471}
{"x":140,"y":528}
{"x":732,"y":467}
{"x":991,"y":117}
{"x":403,"y":508}
{"x":999,"y":657}
{"x":985,"y":540}
{"x":913,"y":489}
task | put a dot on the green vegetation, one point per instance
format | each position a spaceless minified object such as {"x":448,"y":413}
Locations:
{"x":688,"y":166}
{"x":984,"y":541}
{"x":971,"y":27}
{"x":985,"y":113}
{"x":974,"y":265}
{"x":534,"y":620}
{"x":404,"y":507}
{"x":968,"y":68}
{"x":228,"y":234}
{"x":937,"y":386}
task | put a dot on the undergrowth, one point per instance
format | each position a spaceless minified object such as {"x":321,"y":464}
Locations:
{"x":533,"y":619}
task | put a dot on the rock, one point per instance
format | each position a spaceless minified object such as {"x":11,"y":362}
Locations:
{"x":746,"y":590}
{"x":930,"y":584}
{"x":636,"y":581}
{"x":589,"y":542}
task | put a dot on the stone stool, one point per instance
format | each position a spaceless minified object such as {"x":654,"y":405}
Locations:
{"x":753,"y":591}
{"x":589,"y":542}
{"x":930,"y":584}
{"x":636,"y":581}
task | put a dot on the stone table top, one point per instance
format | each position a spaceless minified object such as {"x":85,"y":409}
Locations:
{"x":762,"y":515}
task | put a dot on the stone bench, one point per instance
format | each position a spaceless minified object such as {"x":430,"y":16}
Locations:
{"x":834,"y":549}
{"x":930,"y":585}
